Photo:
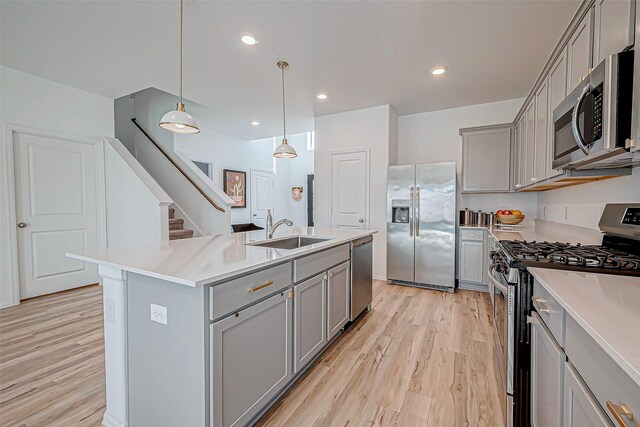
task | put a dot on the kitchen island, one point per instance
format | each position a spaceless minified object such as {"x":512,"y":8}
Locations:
{"x":211,"y":330}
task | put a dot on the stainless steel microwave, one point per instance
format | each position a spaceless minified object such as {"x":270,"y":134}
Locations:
{"x":592,"y":126}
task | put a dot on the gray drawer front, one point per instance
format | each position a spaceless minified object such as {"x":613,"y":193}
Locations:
{"x":554,"y":320}
{"x":467,"y":234}
{"x":318,"y":262}
{"x":230,"y":296}
{"x":604,"y":377}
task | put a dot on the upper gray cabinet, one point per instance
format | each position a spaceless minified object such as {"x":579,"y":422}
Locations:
{"x":486,"y":155}
{"x":579,"y":52}
{"x":541,"y":131}
{"x":530,"y":143}
{"x":557,"y":87}
{"x":613,"y":28}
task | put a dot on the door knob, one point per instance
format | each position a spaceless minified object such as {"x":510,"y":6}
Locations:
{"x":22,"y":225}
{"x":361,"y":220}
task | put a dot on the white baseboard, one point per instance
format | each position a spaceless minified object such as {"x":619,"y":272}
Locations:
{"x":109,"y":421}
{"x":384,"y":279}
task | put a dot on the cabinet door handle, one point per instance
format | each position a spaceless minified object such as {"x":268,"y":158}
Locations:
{"x":537,"y":303}
{"x":619,"y":411}
{"x":264,"y":285}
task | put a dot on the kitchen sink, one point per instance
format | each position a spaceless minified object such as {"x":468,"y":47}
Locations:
{"x":290,"y":242}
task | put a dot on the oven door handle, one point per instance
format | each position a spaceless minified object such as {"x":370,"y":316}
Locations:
{"x":499,"y":285}
{"x":574,"y":120}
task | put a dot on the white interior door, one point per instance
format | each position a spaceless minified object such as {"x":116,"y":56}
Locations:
{"x":349,"y":189}
{"x":56,"y":211}
{"x":261,"y":196}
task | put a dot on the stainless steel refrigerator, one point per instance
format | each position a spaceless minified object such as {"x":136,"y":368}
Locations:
{"x":421,"y":225}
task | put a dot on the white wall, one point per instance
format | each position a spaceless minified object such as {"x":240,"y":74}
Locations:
{"x":228,"y":152}
{"x":366,"y":128}
{"x":583,"y":204}
{"x":31,"y":101}
{"x":434,"y":137}
{"x":125,"y":130}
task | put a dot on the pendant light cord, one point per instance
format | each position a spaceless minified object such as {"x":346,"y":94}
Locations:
{"x":284,"y":113}
{"x":181,"y":13}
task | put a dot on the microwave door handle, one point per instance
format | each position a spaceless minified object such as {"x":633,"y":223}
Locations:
{"x":574,"y":120}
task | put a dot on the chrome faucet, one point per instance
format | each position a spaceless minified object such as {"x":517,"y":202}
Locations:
{"x":271,"y":227}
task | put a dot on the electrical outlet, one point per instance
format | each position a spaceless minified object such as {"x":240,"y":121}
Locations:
{"x":159,"y":314}
{"x":544,"y":212}
{"x":109,"y":310}
{"x":566,"y":213}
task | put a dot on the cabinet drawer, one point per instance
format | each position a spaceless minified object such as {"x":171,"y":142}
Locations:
{"x":314,"y":264}
{"x":228,"y":297}
{"x":550,"y":311}
{"x":467,"y":234}
{"x":604,"y":377}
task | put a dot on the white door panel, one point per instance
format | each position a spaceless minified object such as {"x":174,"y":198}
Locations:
{"x":349,"y":189}
{"x":56,"y":201}
{"x":261,"y":196}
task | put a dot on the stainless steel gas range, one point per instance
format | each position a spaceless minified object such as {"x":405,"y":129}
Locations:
{"x":511,"y":287}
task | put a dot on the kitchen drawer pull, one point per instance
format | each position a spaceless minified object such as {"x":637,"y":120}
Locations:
{"x":619,"y":411}
{"x":539,"y":306}
{"x":264,"y":285}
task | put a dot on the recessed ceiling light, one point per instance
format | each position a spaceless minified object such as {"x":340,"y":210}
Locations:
{"x":255,"y":123}
{"x":249,"y":39}
{"x":321,"y":96}
{"x":438,"y":71}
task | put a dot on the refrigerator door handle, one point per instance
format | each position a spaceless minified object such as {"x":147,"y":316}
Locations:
{"x":411,"y":207}
{"x":417,"y":214}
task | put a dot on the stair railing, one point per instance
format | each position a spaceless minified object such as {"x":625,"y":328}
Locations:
{"x":173,"y":162}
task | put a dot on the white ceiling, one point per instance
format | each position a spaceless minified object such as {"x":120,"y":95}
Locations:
{"x":360,"y":53}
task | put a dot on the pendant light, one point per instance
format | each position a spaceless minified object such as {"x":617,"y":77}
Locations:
{"x":284,"y":150}
{"x":178,"y":120}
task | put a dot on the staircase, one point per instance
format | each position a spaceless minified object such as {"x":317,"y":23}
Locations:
{"x":176,"y":227}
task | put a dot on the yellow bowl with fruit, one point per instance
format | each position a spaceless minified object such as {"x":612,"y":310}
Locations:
{"x":510,"y":217}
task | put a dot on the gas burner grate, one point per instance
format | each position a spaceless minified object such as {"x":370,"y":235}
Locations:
{"x":585,"y":257}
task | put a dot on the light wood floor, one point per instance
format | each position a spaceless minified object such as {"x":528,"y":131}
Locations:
{"x":52,"y":360}
{"x":418,"y":358}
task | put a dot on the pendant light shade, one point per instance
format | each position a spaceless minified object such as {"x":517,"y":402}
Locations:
{"x":178,"y":120}
{"x":284,"y":150}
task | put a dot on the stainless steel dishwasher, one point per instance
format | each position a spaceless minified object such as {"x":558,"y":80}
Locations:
{"x":361,"y":276}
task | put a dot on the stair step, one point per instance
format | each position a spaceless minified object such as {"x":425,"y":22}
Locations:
{"x":176,"y":224}
{"x":172,"y":213}
{"x":180,"y":234}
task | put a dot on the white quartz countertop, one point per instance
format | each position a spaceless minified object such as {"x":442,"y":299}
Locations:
{"x":606,"y":306}
{"x":202,"y":260}
{"x":544,"y":232}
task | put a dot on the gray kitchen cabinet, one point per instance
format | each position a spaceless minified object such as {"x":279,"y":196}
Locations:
{"x":579,"y":49}
{"x":486,"y":159}
{"x":472,"y":261}
{"x":522,"y":152}
{"x":547,"y":377}
{"x":530,"y":143}
{"x":250,"y":359}
{"x":579,"y":406}
{"x":541,"y":131}
{"x":613,"y":29}
{"x":557,"y":87}
{"x":337,"y":298}
{"x":310,"y":319}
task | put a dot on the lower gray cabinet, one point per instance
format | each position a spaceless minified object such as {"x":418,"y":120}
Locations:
{"x":472,"y":261}
{"x":580,"y":407}
{"x":338,"y":298}
{"x":310,"y":319}
{"x":547,"y":365}
{"x":250,"y":359}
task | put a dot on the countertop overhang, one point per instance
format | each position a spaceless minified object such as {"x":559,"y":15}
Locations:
{"x":204,"y":260}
